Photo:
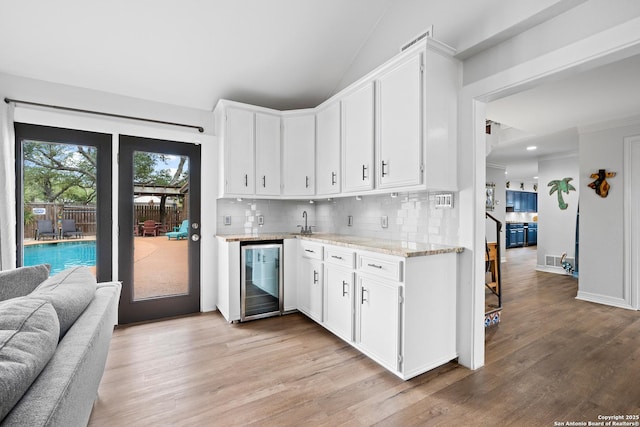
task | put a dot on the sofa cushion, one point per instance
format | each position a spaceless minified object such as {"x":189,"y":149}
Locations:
{"x":29,"y":331}
{"x":70,"y":292}
{"x":21,"y":281}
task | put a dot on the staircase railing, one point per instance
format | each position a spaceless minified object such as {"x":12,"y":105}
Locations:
{"x":498,"y":290}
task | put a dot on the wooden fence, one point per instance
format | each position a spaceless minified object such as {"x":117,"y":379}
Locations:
{"x":85,"y":216}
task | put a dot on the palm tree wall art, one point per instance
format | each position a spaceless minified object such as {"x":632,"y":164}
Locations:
{"x":560,"y":186}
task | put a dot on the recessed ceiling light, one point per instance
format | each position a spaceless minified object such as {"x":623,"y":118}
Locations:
{"x":531,"y":148}
{"x":535,"y":177}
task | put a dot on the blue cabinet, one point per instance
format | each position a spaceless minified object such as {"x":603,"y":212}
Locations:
{"x":521,"y":201}
{"x":532,"y":234}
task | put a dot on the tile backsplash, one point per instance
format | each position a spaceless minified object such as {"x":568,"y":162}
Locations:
{"x":411,"y":217}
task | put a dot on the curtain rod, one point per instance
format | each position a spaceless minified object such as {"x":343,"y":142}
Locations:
{"x":119,"y":116}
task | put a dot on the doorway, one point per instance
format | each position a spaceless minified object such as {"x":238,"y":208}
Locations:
{"x":159,"y":220}
{"x":63,"y":198}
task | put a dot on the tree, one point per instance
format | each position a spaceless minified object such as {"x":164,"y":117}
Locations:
{"x":59,"y":172}
{"x":561,"y":186}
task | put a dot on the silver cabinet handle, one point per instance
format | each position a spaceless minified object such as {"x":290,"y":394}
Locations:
{"x":309,"y":250}
{"x":315,"y":277}
{"x":334,"y":179}
{"x":345,"y":288}
{"x":364,"y":170}
{"x":264,"y":181}
{"x":362,"y":291}
{"x":246,"y":180}
{"x":383,"y":165}
{"x":336,"y":257}
{"x":306,"y":183}
{"x":374,"y":266}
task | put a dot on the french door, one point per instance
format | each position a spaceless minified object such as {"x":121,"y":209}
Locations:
{"x":63,"y":198}
{"x":159,"y":220}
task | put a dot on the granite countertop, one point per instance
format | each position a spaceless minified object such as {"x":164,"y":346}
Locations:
{"x":390,"y":247}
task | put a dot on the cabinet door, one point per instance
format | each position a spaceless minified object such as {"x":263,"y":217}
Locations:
{"x":298,"y":144}
{"x":517,"y":201}
{"x":377,"y":305}
{"x":339,"y":301}
{"x":509,"y":198}
{"x":357,"y":140}
{"x":328,"y":150}
{"x":267,"y":154}
{"x":239,"y":152}
{"x":310,"y":289}
{"x":399,"y":120}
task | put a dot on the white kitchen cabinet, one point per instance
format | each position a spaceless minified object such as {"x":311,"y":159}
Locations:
{"x":399,"y":124}
{"x":338,"y":302}
{"x":377,"y":320}
{"x":358,"y":139}
{"x":328,"y":131}
{"x":239,"y":176}
{"x":267,"y":134}
{"x":298,"y":145}
{"x":310,"y":283}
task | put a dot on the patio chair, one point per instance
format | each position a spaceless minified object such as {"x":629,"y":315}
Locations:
{"x":45,"y":229}
{"x":179,"y":232}
{"x":69,"y":229}
{"x":149,"y":227}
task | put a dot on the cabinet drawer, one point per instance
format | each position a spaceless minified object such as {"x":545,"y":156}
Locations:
{"x":339,"y":256}
{"x":380,"y":266}
{"x":311,"y":250}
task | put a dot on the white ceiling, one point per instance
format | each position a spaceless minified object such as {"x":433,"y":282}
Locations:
{"x":282,"y":54}
{"x":549,"y":116}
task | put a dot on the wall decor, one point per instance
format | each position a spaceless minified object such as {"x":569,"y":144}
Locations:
{"x":561,"y":186}
{"x":490,"y":196}
{"x":600,"y":185}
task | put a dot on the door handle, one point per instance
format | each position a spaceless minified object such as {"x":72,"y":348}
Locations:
{"x":195,"y":237}
{"x":362,"y":291}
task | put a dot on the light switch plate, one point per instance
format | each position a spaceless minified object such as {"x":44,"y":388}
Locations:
{"x":227,"y":220}
{"x":260,"y":220}
{"x":384,"y":221}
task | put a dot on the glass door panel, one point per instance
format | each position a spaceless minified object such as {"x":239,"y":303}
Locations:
{"x":261,"y":291}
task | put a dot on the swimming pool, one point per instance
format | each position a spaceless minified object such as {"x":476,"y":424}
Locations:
{"x":61,"y":255}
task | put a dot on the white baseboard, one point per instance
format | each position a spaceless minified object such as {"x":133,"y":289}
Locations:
{"x":548,"y":269}
{"x":604,"y":299}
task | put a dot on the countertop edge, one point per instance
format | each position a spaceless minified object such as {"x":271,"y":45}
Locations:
{"x":403,"y":252}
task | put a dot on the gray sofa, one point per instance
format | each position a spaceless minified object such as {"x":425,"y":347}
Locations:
{"x":54,"y":339}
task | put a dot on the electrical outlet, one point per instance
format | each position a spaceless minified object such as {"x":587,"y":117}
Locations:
{"x":350,"y":220}
{"x":227,"y":220}
{"x":384,"y":221}
{"x":260,"y":220}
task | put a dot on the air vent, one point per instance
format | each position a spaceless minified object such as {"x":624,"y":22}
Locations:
{"x":427,"y":33}
{"x":556,"y":261}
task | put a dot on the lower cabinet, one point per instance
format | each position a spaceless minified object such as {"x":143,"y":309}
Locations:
{"x":310,"y":283}
{"x":378,"y":323}
{"x":339,"y":293}
{"x":400,"y":312}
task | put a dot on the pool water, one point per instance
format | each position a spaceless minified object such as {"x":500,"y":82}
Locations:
{"x":61,"y":255}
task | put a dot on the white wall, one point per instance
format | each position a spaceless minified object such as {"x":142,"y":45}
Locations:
{"x":50,"y":93}
{"x":495,"y":174}
{"x":557,"y":227}
{"x":602,"y":235}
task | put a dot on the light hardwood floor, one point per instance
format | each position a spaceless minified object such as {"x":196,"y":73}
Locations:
{"x":553,"y":358}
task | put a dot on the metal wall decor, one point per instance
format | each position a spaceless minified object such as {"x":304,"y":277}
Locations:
{"x":490,"y":196}
{"x":600,"y":185}
{"x":561,"y":186}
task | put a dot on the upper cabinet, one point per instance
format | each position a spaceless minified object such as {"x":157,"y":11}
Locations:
{"x":239,"y":151}
{"x":393,"y":130}
{"x":358,"y":139}
{"x":399,"y":124}
{"x":328,"y":171}
{"x":267,"y":154}
{"x":298,"y":154}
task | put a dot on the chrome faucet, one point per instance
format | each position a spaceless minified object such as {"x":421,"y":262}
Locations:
{"x":305,"y":229}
